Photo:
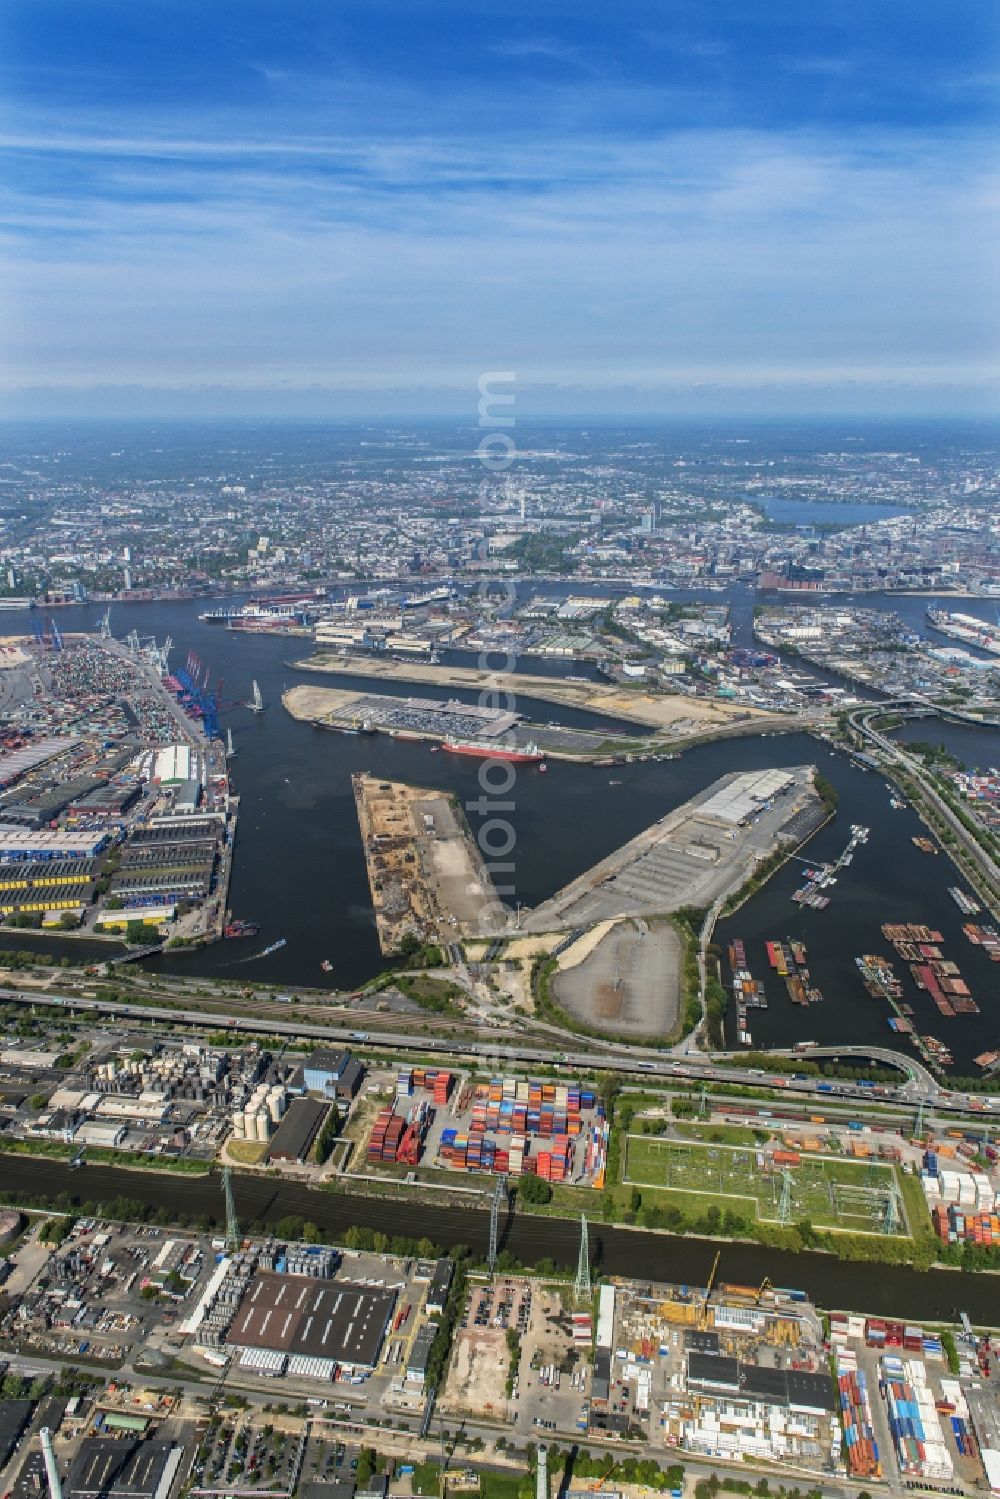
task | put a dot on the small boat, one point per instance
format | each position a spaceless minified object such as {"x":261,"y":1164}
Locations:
{"x":326,"y":965}
{"x":274,"y":947}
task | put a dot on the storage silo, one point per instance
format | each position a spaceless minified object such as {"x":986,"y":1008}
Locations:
{"x":262,"y":1125}
{"x":276,"y":1103}
{"x":240,"y":1125}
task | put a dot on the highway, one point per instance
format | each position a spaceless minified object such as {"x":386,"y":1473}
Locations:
{"x":920,"y":1085}
{"x":860,"y":720}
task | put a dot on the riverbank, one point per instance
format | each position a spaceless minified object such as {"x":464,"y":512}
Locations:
{"x":674,"y":714}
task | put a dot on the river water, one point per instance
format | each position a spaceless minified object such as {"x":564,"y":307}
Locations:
{"x":299,"y":869}
{"x":882,"y":1291}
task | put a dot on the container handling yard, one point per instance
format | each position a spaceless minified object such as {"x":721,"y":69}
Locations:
{"x":116,"y":815}
{"x":504,"y":1126}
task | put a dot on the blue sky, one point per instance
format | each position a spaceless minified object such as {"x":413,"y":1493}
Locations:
{"x":316,"y":206}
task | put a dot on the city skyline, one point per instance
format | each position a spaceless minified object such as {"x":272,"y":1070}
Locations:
{"x":250,"y":213}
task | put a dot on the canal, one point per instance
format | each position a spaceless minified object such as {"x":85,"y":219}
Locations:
{"x":880,"y":1290}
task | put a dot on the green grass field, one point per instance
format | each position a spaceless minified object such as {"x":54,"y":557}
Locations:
{"x":831,"y":1193}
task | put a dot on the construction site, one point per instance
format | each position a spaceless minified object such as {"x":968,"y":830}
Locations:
{"x":425,"y":872}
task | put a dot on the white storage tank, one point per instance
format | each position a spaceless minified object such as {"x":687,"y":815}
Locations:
{"x":262,"y":1125}
{"x":276,"y":1103}
{"x":240,"y":1125}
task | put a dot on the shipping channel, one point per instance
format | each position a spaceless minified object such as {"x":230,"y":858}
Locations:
{"x":892,"y":1291}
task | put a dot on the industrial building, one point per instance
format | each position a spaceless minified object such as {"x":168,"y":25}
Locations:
{"x":437,"y":1294}
{"x":117,"y":1468}
{"x":311,"y":1326}
{"x":42,"y":807}
{"x":420,"y":1352}
{"x":46,"y":843}
{"x":335,"y":1074}
{"x":14,"y":1418}
{"x":297,"y":1130}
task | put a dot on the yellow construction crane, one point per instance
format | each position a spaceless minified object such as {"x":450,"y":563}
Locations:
{"x":703,"y":1315}
{"x":765,"y":1285}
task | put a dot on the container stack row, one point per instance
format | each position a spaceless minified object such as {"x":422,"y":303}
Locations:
{"x":856,"y":1418}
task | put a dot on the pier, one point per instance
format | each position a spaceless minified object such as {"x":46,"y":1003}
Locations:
{"x":425,"y":872}
{"x":692,"y":857}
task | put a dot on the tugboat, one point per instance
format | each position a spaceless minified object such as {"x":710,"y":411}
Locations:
{"x":240,"y":929}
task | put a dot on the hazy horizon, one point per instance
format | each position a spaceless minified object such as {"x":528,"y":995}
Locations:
{"x":357,"y":210}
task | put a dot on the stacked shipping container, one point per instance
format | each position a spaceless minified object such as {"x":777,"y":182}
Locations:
{"x":856,"y":1417}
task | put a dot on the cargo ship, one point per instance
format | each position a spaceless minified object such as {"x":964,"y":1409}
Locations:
{"x":487,"y":749}
{"x":965,"y":903}
{"x":966,"y":628}
{"x":924,"y":844}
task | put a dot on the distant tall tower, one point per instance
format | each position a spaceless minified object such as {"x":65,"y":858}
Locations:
{"x":542,"y":1473}
{"x":582,"y":1283}
{"x":522,"y":505}
{"x":51,"y":1467}
{"x":128,"y":579}
{"x":232,"y":1225}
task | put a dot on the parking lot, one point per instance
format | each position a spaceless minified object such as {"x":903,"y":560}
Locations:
{"x":248,"y":1452}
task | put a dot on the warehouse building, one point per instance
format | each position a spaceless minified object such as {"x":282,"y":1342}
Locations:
{"x":313,"y":1326}
{"x":335,"y":1074}
{"x":294,"y":1136}
{"x":153,"y":886}
{"x":14,"y":1418}
{"x":119,"y":1468}
{"x":16,"y":763}
{"x":105,"y":801}
{"x":187,"y":797}
{"x":18,"y":844}
{"x":172,"y":765}
{"x":35,"y":811}
{"x":151,"y":915}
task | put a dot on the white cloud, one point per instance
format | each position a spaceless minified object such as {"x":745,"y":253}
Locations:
{"x":726,"y":256}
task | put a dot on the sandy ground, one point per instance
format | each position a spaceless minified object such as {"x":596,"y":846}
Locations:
{"x":424,"y":868}
{"x":316,"y":702}
{"x":632,"y":704}
{"x":630,"y":982}
{"x":584,"y":945}
{"x":477,"y":1376}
